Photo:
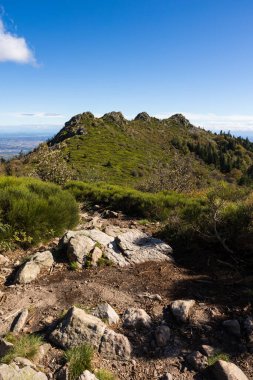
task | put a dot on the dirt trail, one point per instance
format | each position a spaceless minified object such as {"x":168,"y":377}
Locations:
{"x":56,"y":290}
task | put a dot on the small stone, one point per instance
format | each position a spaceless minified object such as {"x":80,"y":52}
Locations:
{"x":96,"y":254}
{"x":232,"y":326}
{"x":4,"y":260}
{"x":166,"y":376}
{"x":197,"y":361}
{"x":162,"y":336}
{"x":19,"y":321}
{"x":105,"y":311}
{"x":136,"y":318}
{"x":181,"y":309}
{"x":248,"y":325}
{"x":28,"y":273}
{"x":43,"y":259}
{"x":87,"y":375}
{"x":5,"y":347}
{"x":207,"y":350}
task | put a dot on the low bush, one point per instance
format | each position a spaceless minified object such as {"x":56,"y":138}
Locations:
{"x":32,"y":211}
{"x":224,"y":217}
{"x":24,"y":346}
{"x":79,"y":359}
{"x":132,"y":202}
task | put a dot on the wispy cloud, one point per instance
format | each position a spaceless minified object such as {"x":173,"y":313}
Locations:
{"x":14,"y":48}
{"x":41,"y":114}
{"x":215,"y":122}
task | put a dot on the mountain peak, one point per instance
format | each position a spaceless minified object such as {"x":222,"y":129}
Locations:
{"x":143,"y":116}
{"x":114,"y":117}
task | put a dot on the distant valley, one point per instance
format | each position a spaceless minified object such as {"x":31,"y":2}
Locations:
{"x":12,"y":144}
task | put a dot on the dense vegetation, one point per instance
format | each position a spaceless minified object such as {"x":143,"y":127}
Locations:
{"x":132,"y":202}
{"x":221,"y":216}
{"x":32,"y":211}
{"x":145,"y":153}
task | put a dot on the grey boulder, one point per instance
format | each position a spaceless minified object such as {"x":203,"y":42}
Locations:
{"x":28,"y":272}
{"x":106,"y":312}
{"x":136,"y":318}
{"x":79,"y":248}
{"x":77,"y":328}
{"x":223,"y":370}
{"x":181,"y":309}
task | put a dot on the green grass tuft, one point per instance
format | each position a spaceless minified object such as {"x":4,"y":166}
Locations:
{"x":25,"y":346}
{"x":103,"y":374}
{"x":79,"y":359}
{"x":218,"y":356}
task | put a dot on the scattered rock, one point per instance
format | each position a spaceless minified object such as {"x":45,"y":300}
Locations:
{"x":99,"y":237}
{"x":166,"y":376}
{"x":154,"y":297}
{"x":19,"y":321}
{"x":96,"y":254}
{"x":13,"y":372}
{"x":232,"y":326}
{"x":76,"y":328}
{"x":197,"y":361}
{"x":28,"y":272}
{"x":42,"y":351}
{"x":162,"y":335}
{"x":181,"y":309}
{"x":87,"y":375}
{"x":23,"y":362}
{"x":107,"y":214}
{"x":136,"y":318}
{"x":227,"y":371}
{"x":138,"y":247}
{"x":207,"y":350}
{"x":43,"y":259}
{"x":78,"y":248}
{"x":115,"y":346}
{"x":248,"y":325}
{"x":105,"y":311}
{"x":4,"y":260}
{"x":5,"y":347}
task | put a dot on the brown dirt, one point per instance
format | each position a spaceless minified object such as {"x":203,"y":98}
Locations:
{"x":218,"y":297}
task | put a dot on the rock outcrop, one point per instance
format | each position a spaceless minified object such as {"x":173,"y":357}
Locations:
{"x":78,"y":327}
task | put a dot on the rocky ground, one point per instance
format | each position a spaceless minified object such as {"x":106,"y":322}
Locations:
{"x":146,"y":319}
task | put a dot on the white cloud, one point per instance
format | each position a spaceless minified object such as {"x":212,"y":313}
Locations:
{"x":14,"y":48}
{"x":215,"y":122}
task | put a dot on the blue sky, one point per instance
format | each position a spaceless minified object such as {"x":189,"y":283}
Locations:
{"x":61,"y":57}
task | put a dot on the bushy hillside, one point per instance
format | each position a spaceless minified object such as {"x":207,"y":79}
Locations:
{"x":146,"y":153}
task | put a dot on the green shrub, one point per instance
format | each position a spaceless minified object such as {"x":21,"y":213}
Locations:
{"x":132,"y":202}
{"x":102,"y":374}
{"x":32,"y":211}
{"x":25,"y":346}
{"x":224,"y":216}
{"x":74,"y":266}
{"x":79,"y":359}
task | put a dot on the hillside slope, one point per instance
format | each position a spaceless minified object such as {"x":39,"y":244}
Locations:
{"x":119,"y":151}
